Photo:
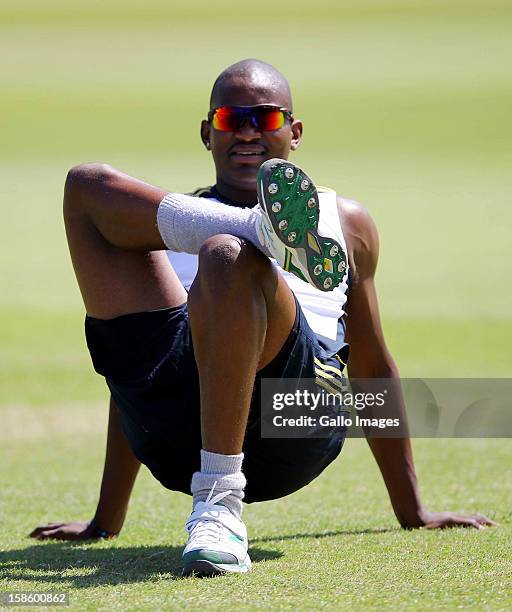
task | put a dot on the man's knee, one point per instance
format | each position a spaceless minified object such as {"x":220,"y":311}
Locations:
{"x":222,"y":250}
{"x":225,"y":254}
{"x":227,"y":265}
{"x":85,"y":174}
{"x":81,"y":179}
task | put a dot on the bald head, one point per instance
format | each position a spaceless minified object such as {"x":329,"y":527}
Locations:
{"x":240,"y":83}
{"x":239,"y":151}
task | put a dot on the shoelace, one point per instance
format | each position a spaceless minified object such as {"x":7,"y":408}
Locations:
{"x":209,"y":528}
{"x":218,"y":497}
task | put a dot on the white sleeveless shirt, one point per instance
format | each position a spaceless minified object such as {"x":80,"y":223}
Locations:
{"x":322,"y":309}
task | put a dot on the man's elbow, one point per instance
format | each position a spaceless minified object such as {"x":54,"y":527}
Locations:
{"x":373,"y":366}
{"x":386,"y":369}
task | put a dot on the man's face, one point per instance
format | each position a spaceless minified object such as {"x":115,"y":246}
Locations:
{"x":234,"y":167}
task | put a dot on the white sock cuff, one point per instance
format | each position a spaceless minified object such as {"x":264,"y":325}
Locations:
{"x":216,"y":463}
{"x":204,"y":482}
{"x":185,"y":222}
{"x":165,"y":221}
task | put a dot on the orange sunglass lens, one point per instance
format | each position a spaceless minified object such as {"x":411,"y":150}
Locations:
{"x":224,"y":119}
{"x":228,"y":119}
{"x":269,"y":120}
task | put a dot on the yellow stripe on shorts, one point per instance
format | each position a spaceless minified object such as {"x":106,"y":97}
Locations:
{"x":327,"y":367}
{"x":325,"y":375}
{"x":325,"y":385}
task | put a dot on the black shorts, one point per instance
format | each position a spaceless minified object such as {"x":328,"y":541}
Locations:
{"x":148,"y":362}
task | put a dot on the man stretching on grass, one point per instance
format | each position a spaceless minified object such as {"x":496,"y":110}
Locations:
{"x":184,"y":369}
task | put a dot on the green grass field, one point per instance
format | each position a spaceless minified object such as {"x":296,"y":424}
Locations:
{"x":406,"y":108}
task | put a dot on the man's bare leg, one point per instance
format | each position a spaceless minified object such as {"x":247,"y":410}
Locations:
{"x":241,"y":313}
{"x":115,"y":245}
{"x":241,"y":310}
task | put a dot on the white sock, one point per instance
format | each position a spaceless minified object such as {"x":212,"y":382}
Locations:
{"x":226,"y":470}
{"x":185,"y":222}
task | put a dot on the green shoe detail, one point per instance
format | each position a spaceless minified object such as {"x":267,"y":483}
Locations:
{"x":297,"y":272}
{"x":284,"y":196}
{"x":329,"y":265}
{"x":208,"y":555}
{"x":236,"y":538}
{"x":291,"y":204}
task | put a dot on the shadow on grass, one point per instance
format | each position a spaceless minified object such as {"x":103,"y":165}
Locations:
{"x":323,"y":534}
{"x":80,"y":565}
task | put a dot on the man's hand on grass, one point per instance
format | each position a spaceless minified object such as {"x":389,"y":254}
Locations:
{"x":443,"y":520}
{"x":65,"y":531}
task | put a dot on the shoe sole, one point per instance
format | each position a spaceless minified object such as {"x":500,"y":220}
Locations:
{"x":202,"y":568}
{"x":290,"y":200}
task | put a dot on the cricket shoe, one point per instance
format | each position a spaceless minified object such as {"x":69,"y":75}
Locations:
{"x":288,"y":227}
{"x":217,"y":542}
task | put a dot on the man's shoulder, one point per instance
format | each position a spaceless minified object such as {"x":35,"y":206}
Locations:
{"x":360,"y":234}
{"x":355,"y":217}
{"x":353,"y":212}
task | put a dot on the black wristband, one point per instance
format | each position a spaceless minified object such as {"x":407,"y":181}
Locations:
{"x":98,"y":532}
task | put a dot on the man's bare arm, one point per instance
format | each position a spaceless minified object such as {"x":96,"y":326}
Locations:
{"x":119,"y":474}
{"x":370,"y":358}
{"x":121,"y":469}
